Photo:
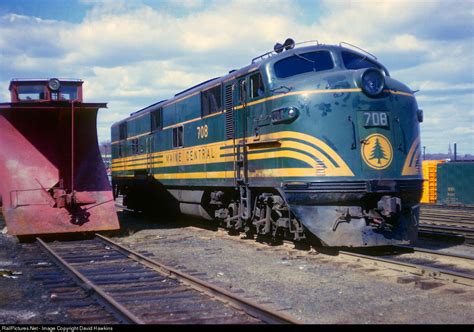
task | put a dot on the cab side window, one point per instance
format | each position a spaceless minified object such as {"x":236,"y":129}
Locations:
{"x":242,"y":90}
{"x":257,"y":89}
{"x":178,"y":137}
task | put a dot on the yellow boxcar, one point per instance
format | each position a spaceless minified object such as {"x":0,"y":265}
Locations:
{"x":429,"y":181}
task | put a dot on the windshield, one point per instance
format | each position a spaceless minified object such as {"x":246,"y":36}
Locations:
{"x":303,"y":63}
{"x":68,"y":92}
{"x":30,"y":92}
{"x":356,"y":61}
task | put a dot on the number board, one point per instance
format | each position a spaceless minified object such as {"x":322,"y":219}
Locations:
{"x":375,"y":119}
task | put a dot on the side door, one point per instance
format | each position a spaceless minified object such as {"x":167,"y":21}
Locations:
{"x":241,"y":120}
{"x":156,"y":124}
{"x":149,"y":154}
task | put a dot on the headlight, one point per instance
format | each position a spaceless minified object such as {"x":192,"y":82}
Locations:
{"x":372,"y":81}
{"x":54,"y":84}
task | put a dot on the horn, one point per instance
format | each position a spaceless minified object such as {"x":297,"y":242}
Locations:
{"x":289,"y":44}
{"x":278,"y":48}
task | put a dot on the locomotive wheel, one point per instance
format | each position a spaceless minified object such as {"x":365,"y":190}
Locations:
{"x":230,"y":222}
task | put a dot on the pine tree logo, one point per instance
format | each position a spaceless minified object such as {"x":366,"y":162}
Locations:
{"x":377,"y":151}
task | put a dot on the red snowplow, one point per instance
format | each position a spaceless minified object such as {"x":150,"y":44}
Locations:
{"x":52,"y":177}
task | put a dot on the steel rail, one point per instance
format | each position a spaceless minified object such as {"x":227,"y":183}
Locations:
{"x":436,"y":273}
{"x":447,"y":228}
{"x":122,"y":312}
{"x":250,"y":307}
{"x":456,"y":232}
{"x":437,"y":253}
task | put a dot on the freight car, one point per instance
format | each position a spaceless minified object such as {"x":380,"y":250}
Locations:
{"x":52,"y":178}
{"x":448,"y":183}
{"x":315,"y":139}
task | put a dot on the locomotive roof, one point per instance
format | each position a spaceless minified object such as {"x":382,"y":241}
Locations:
{"x":260,"y":61}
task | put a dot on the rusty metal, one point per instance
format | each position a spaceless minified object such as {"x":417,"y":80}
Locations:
{"x":53,"y":177}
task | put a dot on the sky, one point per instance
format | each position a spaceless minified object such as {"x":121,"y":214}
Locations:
{"x":133,"y":53}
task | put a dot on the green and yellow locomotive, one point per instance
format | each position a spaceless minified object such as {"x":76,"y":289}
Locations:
{"x":312,"y":139}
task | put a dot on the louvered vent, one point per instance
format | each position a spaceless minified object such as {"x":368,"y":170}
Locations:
{"x":229,"y":115}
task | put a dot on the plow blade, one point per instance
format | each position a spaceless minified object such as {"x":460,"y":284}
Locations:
{"x":53,"y":181}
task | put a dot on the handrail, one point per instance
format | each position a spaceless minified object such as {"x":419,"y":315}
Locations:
{"x":357,"y":47}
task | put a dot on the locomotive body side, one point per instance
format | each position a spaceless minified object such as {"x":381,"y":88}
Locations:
{"x":277,"y":149}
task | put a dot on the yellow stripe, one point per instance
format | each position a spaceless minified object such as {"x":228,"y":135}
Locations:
{"x":278,"y":135}
{"x":400,"y":93}
{"x":159,"y":162}
{"x":192,"y":175}
{"x":138,"y":156}
{"x":275,"y":172}
{"x":212,"y":153}
{"x":412,"y":170}
{"x":343,"y":169}
{"x":169,"y":158}
{"x":287,"y":154}
{"x":136,"y":136}
{"x":182,"y":123}
{"x":255,"y":156}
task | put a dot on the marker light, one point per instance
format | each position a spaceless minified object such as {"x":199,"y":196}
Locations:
{"x":284,"y":115}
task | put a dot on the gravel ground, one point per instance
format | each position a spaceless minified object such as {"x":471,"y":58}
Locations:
{"x":316,"y":288}
{"x":23,"y":300}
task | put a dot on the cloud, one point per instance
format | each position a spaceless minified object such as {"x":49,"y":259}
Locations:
{"x":135,"y":53}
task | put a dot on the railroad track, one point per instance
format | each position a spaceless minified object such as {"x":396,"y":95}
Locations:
{"x":436,"y":252}
{"x":416,"y":266}
{"x":419,"y":266}
{"x":135,"y":289}
{"x":450,"y":221}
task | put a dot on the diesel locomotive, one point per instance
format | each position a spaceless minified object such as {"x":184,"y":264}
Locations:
{"x":308,"y":140}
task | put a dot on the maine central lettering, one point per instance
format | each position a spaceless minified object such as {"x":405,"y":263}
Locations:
{"x":200,"y":155}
